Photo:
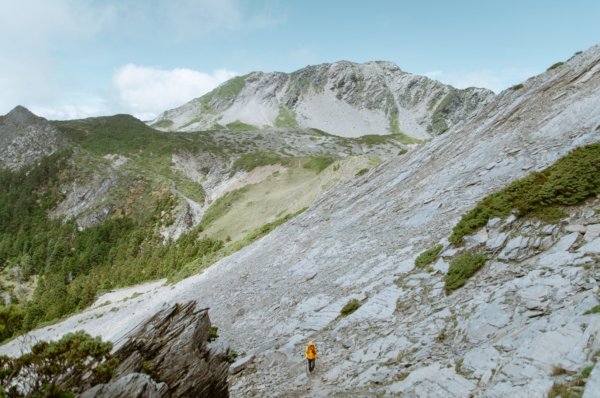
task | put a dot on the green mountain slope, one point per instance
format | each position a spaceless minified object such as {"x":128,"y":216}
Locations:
{"x":120,"y":203}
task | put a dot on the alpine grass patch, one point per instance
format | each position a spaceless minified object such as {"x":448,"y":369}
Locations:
{"x":318,"y":163}
{"x":593,"y":310}
{"x":570,"y":181}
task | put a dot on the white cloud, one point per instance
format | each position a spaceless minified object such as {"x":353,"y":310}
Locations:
{"x":145,"y":91}
{"x":45,"y":57}
{"x":62,"y":112}
{"x":495,"y":80}
{"x":30,"y":34}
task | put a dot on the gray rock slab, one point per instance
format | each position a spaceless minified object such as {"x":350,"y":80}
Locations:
{"x":592,"y":386}
{"x":496,"y":241}
{"x":241,"y":364}
{"x":591,"y":247}
{"x":433,"y":381}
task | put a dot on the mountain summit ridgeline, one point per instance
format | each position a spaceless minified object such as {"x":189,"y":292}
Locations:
{"x":341,"y":98}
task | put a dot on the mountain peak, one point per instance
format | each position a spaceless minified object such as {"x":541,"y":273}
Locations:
{"x":342,"y":98}
{"x":20,"y":116}
{"x":20,"y":110}
{"x":25,"y":138}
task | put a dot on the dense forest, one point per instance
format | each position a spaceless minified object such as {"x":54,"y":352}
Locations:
{"x":72,"y":266}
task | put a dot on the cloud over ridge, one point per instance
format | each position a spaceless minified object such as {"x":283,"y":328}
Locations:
{"x":146,"y":91}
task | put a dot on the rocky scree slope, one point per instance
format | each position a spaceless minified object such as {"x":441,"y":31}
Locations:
{"x":342,"y":98}
{"x":502,"y":334}
{"x":26,"y":138}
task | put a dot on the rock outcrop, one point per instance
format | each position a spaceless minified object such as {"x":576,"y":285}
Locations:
{"x":342,"y":98}
{"x":25,"y":138}
{"x":169,"y":356}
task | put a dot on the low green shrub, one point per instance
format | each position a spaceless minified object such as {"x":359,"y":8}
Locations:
{"x":556,"y":65}
{"x":593,"y":310}
{"x":461,"y":269}
{"x":361,"y":172}
{"x":250,"y":161}
{"x":213,"y":333}
{"x":11,"y":321}
{"x":58,"y":368}
{"x":428,"y":256}
{"x":350,"y":307}
{"x":517,"y":86}
{"x":226,"y":91}
{"x":373,"y":139}
{"x":318,"y":163}
{"x":233,"y":354}
{"x":240,"y":126}
{"x":570,"y":181}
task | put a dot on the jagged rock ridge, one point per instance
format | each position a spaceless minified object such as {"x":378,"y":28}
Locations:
{"x":169,"y":356}
{"x":342,"y":98}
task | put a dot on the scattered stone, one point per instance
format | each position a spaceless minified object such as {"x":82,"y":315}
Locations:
{"x":494,"y":222}
{"x":575,"y":228}
{"x":241,"y":364}
{"x":496,"y":242}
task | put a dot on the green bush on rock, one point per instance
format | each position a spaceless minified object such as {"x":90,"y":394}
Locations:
{"x":58,"y":368}
{"x":350,"y":307}
{"x":428,"y":256}
{"x":461,"y":269}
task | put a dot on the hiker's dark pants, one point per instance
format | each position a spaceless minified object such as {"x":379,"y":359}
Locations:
{"x":311,"y":365}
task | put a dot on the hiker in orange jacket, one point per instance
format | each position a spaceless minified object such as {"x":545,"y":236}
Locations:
{"x":311,"y":355}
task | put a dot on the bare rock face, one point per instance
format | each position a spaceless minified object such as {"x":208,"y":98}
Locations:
{"x":26,"y":138}
{"x":169,"y":356}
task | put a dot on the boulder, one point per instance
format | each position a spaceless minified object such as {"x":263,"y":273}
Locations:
{"x":241,"y":364}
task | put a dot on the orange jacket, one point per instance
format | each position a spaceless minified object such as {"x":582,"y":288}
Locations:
{"x":311,"y":351}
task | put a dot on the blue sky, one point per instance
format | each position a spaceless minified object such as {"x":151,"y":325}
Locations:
{"x":78,"y":58}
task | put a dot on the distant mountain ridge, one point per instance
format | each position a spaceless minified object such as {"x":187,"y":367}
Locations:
{"x":342,"y":98}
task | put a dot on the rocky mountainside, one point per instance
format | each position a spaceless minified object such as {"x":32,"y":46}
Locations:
{"x":524,"y":325}
{"x":117,"y":203}
{"x":26,"y":138}
{"x":341,"y":98}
